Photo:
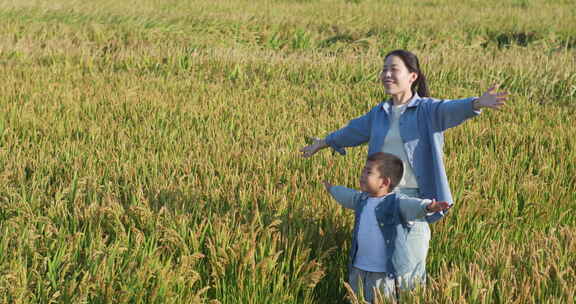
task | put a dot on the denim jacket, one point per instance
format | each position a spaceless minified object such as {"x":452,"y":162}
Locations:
{"x":392,"y":215}
{"x":421,"y":127}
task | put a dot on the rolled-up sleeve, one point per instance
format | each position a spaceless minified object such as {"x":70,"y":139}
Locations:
{"x":446,"y":114}
{"x":357,"y":132}
{"x":345,"y":196}
{"x":436,"y":216}
{"x":413,"y":208}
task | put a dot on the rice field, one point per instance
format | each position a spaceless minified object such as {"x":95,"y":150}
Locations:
{"x":149,"y":149}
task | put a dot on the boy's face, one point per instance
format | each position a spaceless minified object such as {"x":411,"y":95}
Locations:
{"x":371,"y":181}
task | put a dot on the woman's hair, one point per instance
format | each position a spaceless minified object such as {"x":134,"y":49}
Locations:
{"x":411,"y":61}
{"x":389,"y":166}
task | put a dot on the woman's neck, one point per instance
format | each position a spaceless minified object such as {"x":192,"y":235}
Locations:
{"x":401,"y":98}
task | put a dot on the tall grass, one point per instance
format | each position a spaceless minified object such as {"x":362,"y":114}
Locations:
{"x":148,"y":149}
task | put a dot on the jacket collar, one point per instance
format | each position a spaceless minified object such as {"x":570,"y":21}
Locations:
{"x":364,"y":196}
{"x":414,"y":102}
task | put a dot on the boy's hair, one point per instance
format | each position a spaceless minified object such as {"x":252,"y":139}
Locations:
{"x":389,"y":166}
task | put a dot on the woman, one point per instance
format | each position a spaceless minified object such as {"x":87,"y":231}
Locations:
{"x":410,"y":125}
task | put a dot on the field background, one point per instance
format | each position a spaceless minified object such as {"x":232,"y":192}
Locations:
{"x":148,"y":149}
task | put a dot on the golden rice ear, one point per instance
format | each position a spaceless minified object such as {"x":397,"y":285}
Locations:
{"x":378,"y":297}
{"x":351,"y":295}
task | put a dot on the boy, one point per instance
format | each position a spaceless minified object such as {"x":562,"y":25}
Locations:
{"x":379,"y":256}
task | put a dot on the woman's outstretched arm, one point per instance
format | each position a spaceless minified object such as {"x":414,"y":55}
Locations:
{"x":357,"y":132}
{"x":450,"y":113}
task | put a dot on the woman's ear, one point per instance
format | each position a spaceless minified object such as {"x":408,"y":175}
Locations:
{"x":413,"y":76}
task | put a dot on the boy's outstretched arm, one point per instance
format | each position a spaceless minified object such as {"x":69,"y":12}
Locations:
{"x":344,"y":196}
{"x":436,"y":206}
{"x":413,"y":208}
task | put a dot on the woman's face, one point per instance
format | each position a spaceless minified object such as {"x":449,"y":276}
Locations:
{"x":396,"y":77}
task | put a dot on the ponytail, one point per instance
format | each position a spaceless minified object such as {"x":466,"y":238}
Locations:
{"x":420,"y":86}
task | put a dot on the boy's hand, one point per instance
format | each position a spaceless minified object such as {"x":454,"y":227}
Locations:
{"x":327,"y":185}
{"x":435,"y":206}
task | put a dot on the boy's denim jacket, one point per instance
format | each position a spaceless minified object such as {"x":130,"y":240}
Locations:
{"x":392,"y":214}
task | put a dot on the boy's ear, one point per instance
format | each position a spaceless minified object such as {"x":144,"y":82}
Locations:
{"x":386,"y":181}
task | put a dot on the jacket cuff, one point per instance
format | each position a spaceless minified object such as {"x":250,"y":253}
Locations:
{"x":476,"y":112}
{"x":330,"y":142}
{"x":434,"y":217}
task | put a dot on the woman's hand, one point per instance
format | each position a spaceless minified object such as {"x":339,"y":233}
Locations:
{"x":491,"y":99}
{"x":317,"y":145}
